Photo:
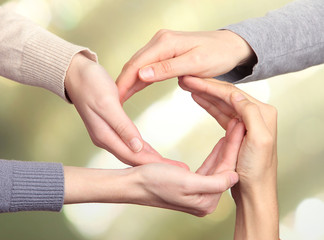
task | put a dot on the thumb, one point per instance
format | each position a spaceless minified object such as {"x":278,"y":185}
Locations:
{"x":216,"y":183}
{"x":249,"y":112}
{"x":170,"y":68}
{"x":225,"y":180}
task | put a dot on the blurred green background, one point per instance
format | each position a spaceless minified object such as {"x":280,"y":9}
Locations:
{"x":36,"y":125}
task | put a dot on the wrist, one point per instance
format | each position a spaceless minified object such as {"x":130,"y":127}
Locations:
{"x":241,"y":48}
{"x":257,"y":215}
{"x":78,"y":65}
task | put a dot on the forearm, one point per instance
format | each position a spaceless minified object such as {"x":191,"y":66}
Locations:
{"x":257,"y":214}
{"x":286,"y":40}
{"x":85,"y":185}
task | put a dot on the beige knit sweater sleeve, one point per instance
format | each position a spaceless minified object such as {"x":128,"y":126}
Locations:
{"x":31,"y":55}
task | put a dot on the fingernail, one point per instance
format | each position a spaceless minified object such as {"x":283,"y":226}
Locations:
{"x":238,"y":96}
{"x":146,"y":73}
{"x":136,"y":145}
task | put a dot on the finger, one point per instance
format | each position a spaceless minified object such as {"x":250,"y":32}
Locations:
{"x":213,"y":87}
{"x":150,"y":152}
{"x":154,"y":51}
{"x":219,"y":103}
{"x":128,"y":80}
{"x":217,"y":183}
{"x":230,"y":151}
{"x":213,"y":110}
{"x":113,"y":114}
{"x":210,"y":161}
{"x":105,"y":137}
{"x":168,"y":68}
{"x":125,"y":81}
{"x":186,"y":208}
{"x":138,"y":86}
{"x":227,"y":156}
{"x":250,"y":114}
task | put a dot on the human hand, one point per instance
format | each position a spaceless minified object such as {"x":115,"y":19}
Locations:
{"x":217,"y":98}
{"x":162,"y":185}
{"x":95,"y":96}
{"x":172,"y":54}
{"x":197,"y":193}
{"x":256,"y":193}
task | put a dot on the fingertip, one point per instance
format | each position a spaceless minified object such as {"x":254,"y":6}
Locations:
{"x":136,"y":145}
{"x":188,"y":79}
{"x":234,"y":178}
{"x":240,"y":125}
{"x":181,"y":84}
{"x":146,"y":73}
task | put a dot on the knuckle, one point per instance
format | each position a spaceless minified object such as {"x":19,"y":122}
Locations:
{"x":98,"y":139}
{"x":208,"y":208}
{"x":164,"y":35}
{"x":197,"y":60}
{"x":103,"y":103}
{"x":201,"y":214}
{"x":233,"y":114}
{"x":211,"y":209}
{"x":251,"y":107}
{"x":205,"y":204}
{"x":265,"y":141}
{"x":272,"y":110}
{"x":129,"y":65}
{"x":121,"y":129}
{"x":161,"y":32}
{"x":165,"y":67}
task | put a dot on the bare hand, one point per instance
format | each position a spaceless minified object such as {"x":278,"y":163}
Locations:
{"x":172,"y":54}
{"x":255,"y":195}
{"x":162,"y":185}
{"x":95,"y":96}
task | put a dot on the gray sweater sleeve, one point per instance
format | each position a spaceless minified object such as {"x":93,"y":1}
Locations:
{"x":31,"y":186}
{"x":285,"y":40}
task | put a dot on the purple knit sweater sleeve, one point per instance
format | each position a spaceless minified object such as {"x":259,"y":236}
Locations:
{"x":31,"y":186}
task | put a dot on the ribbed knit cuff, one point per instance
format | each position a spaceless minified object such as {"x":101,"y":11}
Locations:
{"x":46,"y":59}
{"x":36,"y":186}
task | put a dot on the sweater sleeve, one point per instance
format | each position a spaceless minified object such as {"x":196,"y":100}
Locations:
{"x":31,"y":55}
{"x":31,"y":186}
{"x":285,"y":40}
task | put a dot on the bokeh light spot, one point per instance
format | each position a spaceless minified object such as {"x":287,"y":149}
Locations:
{"x":310,"y":219}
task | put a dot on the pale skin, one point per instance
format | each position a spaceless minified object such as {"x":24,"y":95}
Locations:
{"x":95,"y":96}
{"x":162,"y":185}
{"x":255,"y":195}
{"x":172,"y":54}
